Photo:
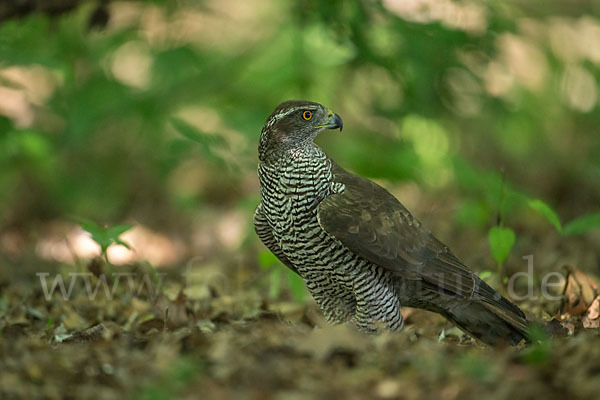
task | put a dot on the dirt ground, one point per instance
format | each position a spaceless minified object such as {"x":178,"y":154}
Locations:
{"x":211,"y":342}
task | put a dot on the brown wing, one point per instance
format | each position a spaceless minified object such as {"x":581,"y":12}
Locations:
{"x":371,"y":222}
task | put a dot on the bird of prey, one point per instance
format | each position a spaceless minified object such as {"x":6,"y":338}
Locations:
{"x":360,"y":252}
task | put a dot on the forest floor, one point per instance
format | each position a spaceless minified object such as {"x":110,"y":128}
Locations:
{"x":208,"y":341}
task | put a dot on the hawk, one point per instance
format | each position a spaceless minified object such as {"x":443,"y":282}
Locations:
{"x":360,"y":252}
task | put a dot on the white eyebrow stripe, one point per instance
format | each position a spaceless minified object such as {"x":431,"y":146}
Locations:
{"x":287,"y":112}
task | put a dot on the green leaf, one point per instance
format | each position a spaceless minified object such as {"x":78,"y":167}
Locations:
{"x":117,"y":230}
{"x":296,"y":285}
{"x":105,"y":236}
{"x":485,"y":274}
{"x":547,"y":212}
{"x":274,"y":283}
{"x":583,"y":224}
{"x":89,"y":226}
{"x":266,"y":259}
{"x":124,"y":244}
{"x":501,"y":241}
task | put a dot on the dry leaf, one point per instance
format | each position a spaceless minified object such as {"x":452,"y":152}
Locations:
{"x":591,"y":319}
{"x":579,"y":293}
{"x":173,"y":311}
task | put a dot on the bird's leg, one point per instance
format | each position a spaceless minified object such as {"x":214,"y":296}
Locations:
{"x":376,"y":303}
{"x":338,"y":304}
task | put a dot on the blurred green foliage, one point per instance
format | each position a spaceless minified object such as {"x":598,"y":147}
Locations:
{"x":293,"y":282}
{"x":157,"y":116}
{"x":178,"y":374}
{"x":542,"y":347}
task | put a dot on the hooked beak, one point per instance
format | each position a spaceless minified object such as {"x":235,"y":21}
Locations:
{"x":334,"y":121}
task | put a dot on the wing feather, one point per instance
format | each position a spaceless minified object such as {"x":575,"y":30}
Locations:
{"x":370,"y":221}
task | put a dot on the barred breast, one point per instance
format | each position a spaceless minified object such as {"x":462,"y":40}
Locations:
{"x":342,"y":283}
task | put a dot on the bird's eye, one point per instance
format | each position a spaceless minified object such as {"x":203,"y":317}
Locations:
{"x":307,"y":115}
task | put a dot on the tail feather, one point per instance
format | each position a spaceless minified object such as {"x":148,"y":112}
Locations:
{"x":488,"y":295}
{"x":488,"y":316}
{"x":488,"y":323}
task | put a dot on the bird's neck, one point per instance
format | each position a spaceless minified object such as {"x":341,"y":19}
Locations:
{"x":302,"y":175}
{"x":283,"y":155}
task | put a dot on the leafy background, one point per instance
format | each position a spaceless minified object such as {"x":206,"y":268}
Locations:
{"x":137,"y":122}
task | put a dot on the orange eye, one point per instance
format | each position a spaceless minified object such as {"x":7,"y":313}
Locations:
{"x":307,"y":115}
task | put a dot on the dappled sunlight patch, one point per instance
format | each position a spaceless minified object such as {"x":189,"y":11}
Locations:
{"x":14,"y":104}
{"x":524,"y":60}
{"x":38,"y":82}
{"x":23,"y":89}
{"x":68,"y":243}
{"x":466,"y":16}
{"x":231,"y":229}
{"x":231,"y":24}
{"x":575,"y":40}
{"x":130,"y":64}
{"x":578,"y":88}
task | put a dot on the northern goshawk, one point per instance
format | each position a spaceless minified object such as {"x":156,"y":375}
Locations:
{"x":361,"y":253}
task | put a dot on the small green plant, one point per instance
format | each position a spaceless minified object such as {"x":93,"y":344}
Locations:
{"x":105,"y":236}
{"x":179,"y":375}
{"x":540,"y":351}
{"x":501,"y":242}
{"x":583,"y":224}
{"x":295,"y":284}
{"x":485,"y":274}
{"x":501,"y":238}
{"x":476,"y":367}
{"x":547,"y":212}
{"x":577,"y":226}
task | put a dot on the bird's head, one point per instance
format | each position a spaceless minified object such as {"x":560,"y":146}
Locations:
{"x":293,"y":125}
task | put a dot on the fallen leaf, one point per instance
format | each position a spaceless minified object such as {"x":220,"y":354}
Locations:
{"x":579,"y":293}
{"x":172,"y":311}
{"x":591,"y":319}
{"x":593,"y":311}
